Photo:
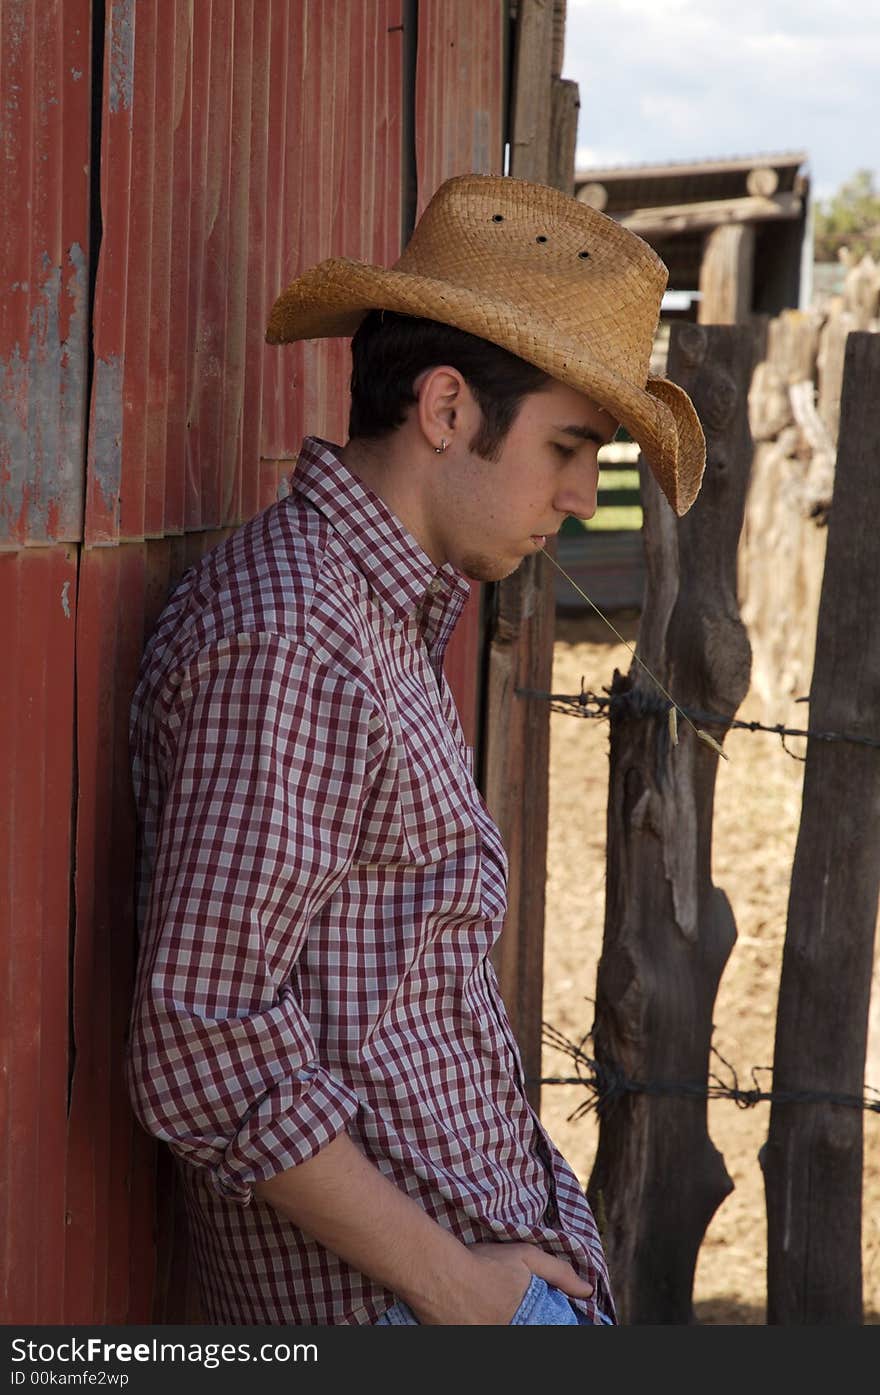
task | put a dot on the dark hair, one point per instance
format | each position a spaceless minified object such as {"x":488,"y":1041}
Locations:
{"x":388,"y":352}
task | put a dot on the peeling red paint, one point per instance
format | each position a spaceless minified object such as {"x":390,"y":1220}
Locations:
{"x":45,"y":115}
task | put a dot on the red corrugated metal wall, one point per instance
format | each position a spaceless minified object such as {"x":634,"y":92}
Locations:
{"x":239,"y":142}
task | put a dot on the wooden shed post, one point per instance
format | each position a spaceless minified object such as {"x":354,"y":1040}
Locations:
{"x":813,"y":1157}
{"x":657,"y":1178}
{"x":726,"y":275}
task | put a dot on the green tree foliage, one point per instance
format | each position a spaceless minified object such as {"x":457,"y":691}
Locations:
{"x":850,"y":220}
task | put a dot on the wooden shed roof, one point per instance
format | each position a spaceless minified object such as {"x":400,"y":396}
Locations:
{"x":630,"y":187}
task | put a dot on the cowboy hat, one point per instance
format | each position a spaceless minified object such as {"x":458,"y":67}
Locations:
{"x":541,"y":274}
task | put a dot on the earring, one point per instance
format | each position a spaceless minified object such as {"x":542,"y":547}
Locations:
{"x":438,"y":450}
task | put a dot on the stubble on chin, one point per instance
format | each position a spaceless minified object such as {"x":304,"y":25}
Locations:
{"x":478,"y":566}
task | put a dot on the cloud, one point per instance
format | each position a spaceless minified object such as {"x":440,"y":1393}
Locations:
{"x":693,"y":79}
{"x":587,"y":156}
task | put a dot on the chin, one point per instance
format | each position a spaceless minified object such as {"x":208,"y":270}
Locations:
{"x":478,"y":567}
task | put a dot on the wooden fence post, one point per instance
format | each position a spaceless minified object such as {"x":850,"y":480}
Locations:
{"x":657,"y":1178}
{"x":813,"y":1157}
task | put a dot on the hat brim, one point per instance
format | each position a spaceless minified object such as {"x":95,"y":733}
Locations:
{"x":331,"y":299}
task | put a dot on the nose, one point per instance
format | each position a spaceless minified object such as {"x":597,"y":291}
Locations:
{"x":576,"y":494}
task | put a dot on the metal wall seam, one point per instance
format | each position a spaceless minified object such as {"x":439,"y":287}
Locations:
{"x":37,"y":618}
{"x":45,"y":103}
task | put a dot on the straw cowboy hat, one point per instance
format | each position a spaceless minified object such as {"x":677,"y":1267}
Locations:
{"x":543,"y":275}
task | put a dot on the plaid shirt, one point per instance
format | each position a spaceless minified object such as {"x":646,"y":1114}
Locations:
{"x":321,"y":884}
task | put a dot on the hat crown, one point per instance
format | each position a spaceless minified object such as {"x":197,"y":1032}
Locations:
{"x":559,"y":264}
{"x":544,"y":276}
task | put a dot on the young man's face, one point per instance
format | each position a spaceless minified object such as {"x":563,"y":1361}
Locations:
{"x":493,"y":513}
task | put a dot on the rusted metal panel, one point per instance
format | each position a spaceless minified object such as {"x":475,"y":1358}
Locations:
{"x":239,"y":144}
{"x":110,"y":1262}
{"x":109,"y":1191}
{"x":44,"y":128}
{"x":38,"y":589}
{"x":461,"y":664}
{"x":106,"y":409}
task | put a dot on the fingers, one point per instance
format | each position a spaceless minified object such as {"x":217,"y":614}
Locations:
{"x":556,"y":1271}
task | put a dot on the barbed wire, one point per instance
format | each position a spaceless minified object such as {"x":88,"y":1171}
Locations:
{"x":607,"y":1082}
{"x":643,"y":704}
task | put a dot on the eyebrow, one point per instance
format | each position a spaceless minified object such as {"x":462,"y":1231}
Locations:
{"x":588,"y":433}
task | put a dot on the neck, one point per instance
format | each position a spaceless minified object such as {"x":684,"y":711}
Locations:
{"x":394,"y":473}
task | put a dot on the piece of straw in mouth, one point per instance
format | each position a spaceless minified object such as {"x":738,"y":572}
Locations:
{"x":674,"y":710}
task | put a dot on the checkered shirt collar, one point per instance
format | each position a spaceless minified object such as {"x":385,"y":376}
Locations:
{"x":399,"y":573}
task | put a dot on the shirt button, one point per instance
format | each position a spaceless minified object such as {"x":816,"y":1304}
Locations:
{"x":434,"y":586}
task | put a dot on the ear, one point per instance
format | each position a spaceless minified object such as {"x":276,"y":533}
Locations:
{"x":441,"y":394}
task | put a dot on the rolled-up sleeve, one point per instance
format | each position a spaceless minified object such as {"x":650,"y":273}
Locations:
{"x":257,"y":758}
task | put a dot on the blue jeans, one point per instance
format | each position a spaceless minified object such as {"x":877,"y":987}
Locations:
{"x":541,"y":1306}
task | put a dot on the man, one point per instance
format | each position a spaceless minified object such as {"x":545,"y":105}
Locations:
{"x":317,"y":1029}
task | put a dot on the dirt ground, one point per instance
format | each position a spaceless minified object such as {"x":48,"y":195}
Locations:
{"x":756,"y":818}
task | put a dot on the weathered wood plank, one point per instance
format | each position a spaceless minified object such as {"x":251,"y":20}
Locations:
{"x":515,"y":748}
{"x":516,"y":787}
{"x":658,"y":1179}
{"x":557,"y":55}
{"x":564,"y":107}
{"x":813,"y":1157}
{"x":531,"y":106}
{"x":690,"y":217}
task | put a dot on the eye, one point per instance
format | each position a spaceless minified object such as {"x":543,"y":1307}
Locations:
{"x":565,"y":451}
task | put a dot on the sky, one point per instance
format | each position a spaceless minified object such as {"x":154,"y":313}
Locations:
{"x":670,"y":80}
